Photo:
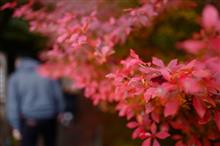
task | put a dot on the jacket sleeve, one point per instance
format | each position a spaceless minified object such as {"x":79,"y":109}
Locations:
{"x":58,"y":94}
{"x":12,"y":104}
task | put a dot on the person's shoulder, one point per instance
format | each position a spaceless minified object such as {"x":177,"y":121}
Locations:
{"x":45,"y":78}
{"x":42,"y":76}
{"x":13,"y":77}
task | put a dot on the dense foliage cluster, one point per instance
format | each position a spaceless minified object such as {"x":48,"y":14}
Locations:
{"x":177,"y":101}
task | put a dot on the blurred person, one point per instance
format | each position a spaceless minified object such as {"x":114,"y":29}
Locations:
{"x":34,"y":104}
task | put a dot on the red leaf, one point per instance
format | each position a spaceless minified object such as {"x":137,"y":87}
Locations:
{"x":172,"y":64}
{"x":147,"y":142}
{"x":149,"y":108}
{"x":199,"y":107}
{"x":164,"y":127}
{"x":158,"y":62}
{"x":192,"y":46}
{"x":171,"y":107}
{"x":144,"y":135}
{"x":153,"y":128}
{"x":148,"y":94}
{"x":136,"y":133}
{"x":210,"y":100}
{"x":155,"y":116}
{"x":132,"y":125}
{"x":8,"y":5}
{"x":180,"y":143}
{"x":176,"y":137}
{"x":210,"y":17}
{"x":215,"y":43}
{"x":165,"y":73}
{"x":206,"y":142}
{"x":133,"y":54}
{"x":217,"y":118}
{"x":190,"y":85}
{"x":156,"y":143}
{"x":205,"y":119}
{"x":217,"y":144}
{"x":162,"y":135}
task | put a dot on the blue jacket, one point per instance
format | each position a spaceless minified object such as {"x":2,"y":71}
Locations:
{"x":31,"y":95}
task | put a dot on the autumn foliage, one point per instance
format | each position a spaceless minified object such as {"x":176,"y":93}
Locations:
{"x":178,"y":100}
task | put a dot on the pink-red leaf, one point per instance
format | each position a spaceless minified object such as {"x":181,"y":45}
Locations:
{"x":147,"y":142}
{"x":132,"y":125}
{"x":180,"y":143}
{"x":157,"y":62}
{"x":192,"y":46}
{"x":136,"y":133}
{"x":155,"y":116}
{"x":210,"y":16}
{"x":172,"y":64}
{"x":171,"y":107}
{"x":149,"y":93}
{"x":8,"y":5}
{"x":156,"y":143}
{"x":206,"y":142}
{"x":217,"y":118}
{"x":217,"y":144}
{"x":190,"y":85}
{"x":199,"y":107}
{"x":162,"y":135}
{"x":205,"y":119}
{"x":153,"y":128}
{"x":165,"y":73}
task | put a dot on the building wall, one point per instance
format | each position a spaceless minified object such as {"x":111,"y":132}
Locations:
{"x":4,"y":138}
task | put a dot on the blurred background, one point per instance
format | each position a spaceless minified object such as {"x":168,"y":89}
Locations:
{"x":95,"y":126}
